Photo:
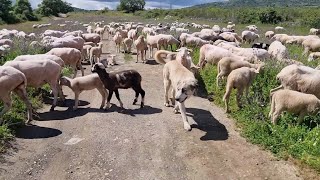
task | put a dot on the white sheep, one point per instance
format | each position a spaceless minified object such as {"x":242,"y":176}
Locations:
{"x":69,"y":41}
{"x":314,"y":31}
{"x":213,"y":54}
{"x":196,"y":41}
{"x":54,"y":58}
{"x":40,"y":72}
{"x":141,"y":46}
{"x":95,"y":53}
{"x":278,"y":51}
{"x":279,"y":28}
{"x":299,"y":78}
{"x":154,"y":42}
{"x":72,"y":57}
{"x":227,"y":64}
{"x":118,"y":39}
{"x":127,"y":44}
{"x":133,"y":34}
{"x":311,"y":45}
{"x":6,"y":42}
{"x":86,"y":51}
{"x":91,"y":37}
{"x":85,"y":83}
{"x":249,"y":36}
{"x":314,"y":56}
{"x":239,"y":79}
{"x":293,"y":102}
{"x":14,"y":80}
{"x":269,"y":34}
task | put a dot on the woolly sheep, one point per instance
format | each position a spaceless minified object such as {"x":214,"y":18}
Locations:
{"x":91,"y":37}
{"x":311,"y":45}
{"x":54,"y":58}
{"x":299,"y":78}
{"x":85,"y":83}
{"x":279,"y":28}
{"x":154,"y":42}
{"x":71,"y":57}
{"x":14,"y":80}
{"x":278,"y":51}
{"x":40,"y":72}
{"x":213,"y":54}
{"x":314,"y":56}
{"x":314,"y":31}
{"x":227,"y":64}
{"x":127,"y":44}
{"x":86,"y":51}
{"x":249,"y":36}
{"x":293,"y":102}
{"x":269,"y":34}
{"x":141,"y":45}
{"x":118,"y":39}
{"x":95,"y":53}
{"x":239,"y":79}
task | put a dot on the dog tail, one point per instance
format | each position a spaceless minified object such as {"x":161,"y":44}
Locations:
{"x":159,"y":56}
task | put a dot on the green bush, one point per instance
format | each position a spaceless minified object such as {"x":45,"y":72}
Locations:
{"x":22,"y":9}
{"x":54,"y":7}
{"x":131,"y":5}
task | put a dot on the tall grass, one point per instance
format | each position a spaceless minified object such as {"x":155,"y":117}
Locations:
{"x":287,"y":139}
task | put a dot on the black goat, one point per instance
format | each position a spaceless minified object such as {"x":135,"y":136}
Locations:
{"x":120,"y":80}
{"x":261,"y":46}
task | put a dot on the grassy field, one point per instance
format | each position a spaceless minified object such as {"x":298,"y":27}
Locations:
{"x":286,"y":140}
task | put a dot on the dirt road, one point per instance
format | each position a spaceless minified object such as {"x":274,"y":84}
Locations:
{"x":147,"y":143}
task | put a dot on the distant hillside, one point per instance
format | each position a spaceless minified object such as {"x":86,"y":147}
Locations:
{"x":79,"y":10}
{"x":261,"y":3}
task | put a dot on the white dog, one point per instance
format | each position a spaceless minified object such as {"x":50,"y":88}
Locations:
{"x":183,"y":85}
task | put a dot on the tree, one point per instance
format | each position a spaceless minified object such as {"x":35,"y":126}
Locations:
{"x":131,"y":5}
{"x":54,"y":7}
{"x":6,"y":14}
{"x":22,"y":9}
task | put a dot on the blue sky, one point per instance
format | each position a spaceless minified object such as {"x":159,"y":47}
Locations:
{"x":150,"y":4}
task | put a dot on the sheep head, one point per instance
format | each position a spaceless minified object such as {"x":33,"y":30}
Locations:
{"x":97,"y":67}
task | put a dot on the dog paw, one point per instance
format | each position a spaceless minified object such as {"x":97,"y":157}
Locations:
{"x":166,"y":104}
{"x":134,"y":102}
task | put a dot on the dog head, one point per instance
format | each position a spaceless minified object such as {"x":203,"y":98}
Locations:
{"x":185,"y":89}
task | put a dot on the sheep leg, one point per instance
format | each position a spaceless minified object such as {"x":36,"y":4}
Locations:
{"x":75,"y":71}
{"x":166,"y":89}
{"x":22,"y":93}
{"x":109,"y":98}
{"x":104,"y":94}
{"x":275,"y":116}
{"x":218,"y":77}
{"x":137,"y":56}
{"x":182,"y":108}
{"x":118,"y":97}
{"x":81,"y":68}
{"x":142,"y":57}
{"x":226,"y":98}
{"x":142,"y":92}
{"x":247,"y":94}
{"x":239,"y":95}
{"x":55,"y":96}
{"x":7,"y":103}
{"x":76,"y":100}
{"x":301,"y":117}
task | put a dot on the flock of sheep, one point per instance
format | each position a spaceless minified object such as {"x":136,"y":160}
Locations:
{"x":220,"y":46}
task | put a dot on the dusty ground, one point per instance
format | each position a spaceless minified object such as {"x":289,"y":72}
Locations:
{"x":147,"y":143}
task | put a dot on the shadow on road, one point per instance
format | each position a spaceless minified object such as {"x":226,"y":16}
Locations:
{"x":146,"y":110}
{"x":152,"y":62}
{"x":68,"y":114}
{"x":66,"y":103}
{"x":36,"y":132}
{"x":206,"y":122}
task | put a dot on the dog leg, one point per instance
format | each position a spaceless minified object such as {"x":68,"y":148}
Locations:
{"x":186,"y":125}
{"x":76,"y":101}
{"x":166,"y":89}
